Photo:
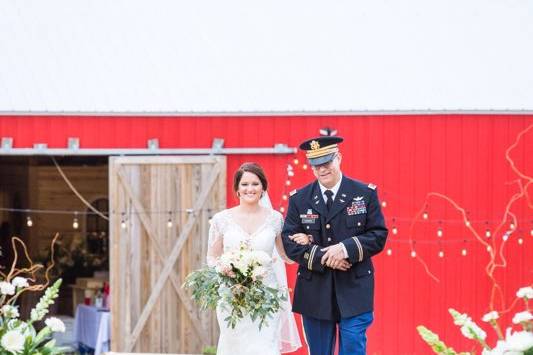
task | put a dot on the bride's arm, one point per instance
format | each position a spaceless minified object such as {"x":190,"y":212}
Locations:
{"x":281,"y":250}
{"x":215,"y":245}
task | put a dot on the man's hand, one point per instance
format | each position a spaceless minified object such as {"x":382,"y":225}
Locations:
{"x":342,"y":265}
{"x":333,"y":255}
{"x":301,"y":238}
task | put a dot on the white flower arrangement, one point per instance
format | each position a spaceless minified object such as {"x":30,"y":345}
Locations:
{"x":514,"y":343}
{"x":18,"y":336}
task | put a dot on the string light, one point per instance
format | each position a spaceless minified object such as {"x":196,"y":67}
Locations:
{"x":413,"y":254}
{"x":439,"y":232}
{"x":290,"y":173}
{"x":441,"y":254}
{"x":512,"y":226}
{"x":520,"y":241}
{"x":487,"y":233}
{"x":282,"y":209}
{"x":288,"y":183}
{"x":425,"y":215}
{"x":505,"y":237}
{"x":29,"y":222}
{"x":123,"y":222}
{"x":304,"y":166}
{"x":295,"y":161}
{"x":75,"y":223}
{"x":383,"y":203}
{"x":389,"y":252}
{"x":464,"y":252}
{"x":169,"y":222}
{"x":489,"y":248}
{"x":467,"y":223}
{"x":284,"y":197}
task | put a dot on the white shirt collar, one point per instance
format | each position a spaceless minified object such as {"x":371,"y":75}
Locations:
{"x":334,"y":189}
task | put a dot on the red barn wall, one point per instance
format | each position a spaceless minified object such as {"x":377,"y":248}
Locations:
{"x":407,"y":156}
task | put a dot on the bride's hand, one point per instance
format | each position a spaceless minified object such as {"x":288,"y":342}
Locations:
{"x":301,"y":238}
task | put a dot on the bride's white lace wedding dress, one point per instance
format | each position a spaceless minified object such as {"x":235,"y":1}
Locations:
{"x":280,"y":334}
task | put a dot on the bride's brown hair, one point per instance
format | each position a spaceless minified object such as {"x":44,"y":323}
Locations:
{"x":253,"y":168}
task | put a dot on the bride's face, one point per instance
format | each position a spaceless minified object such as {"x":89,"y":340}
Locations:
{"x":250,"y":188}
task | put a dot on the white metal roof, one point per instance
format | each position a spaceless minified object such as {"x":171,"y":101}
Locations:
{"x":262,"y":56}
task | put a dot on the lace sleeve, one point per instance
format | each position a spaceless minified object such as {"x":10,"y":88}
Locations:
{"x":278,"y":226}
{"x":215,"y":245}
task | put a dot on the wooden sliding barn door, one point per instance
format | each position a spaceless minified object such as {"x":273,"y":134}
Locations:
{"x":160,"y":209}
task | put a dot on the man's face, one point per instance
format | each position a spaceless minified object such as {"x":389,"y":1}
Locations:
{"x":328,"y":174}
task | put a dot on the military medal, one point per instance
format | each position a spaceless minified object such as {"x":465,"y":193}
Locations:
{"x":309,"y":217}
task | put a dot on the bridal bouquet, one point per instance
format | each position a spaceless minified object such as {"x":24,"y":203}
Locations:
{"x":236,"y":284}
{"x":514,"y":343}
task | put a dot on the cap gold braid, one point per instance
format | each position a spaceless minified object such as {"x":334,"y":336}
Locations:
{"x":320,"y":152}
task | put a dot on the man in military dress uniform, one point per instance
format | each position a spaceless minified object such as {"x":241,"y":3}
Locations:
{"x":335,"y":283}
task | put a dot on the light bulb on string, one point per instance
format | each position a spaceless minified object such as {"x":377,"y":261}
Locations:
{"x":288,"y":183}
{"x":489,"y":248}
{"x":520,"y":241}
{"x":304,"y":166}
{"x":425,"y":215}
{"x":505,"y":237}
{"x":441,"y":254}
{"x":123,"y":222}
{"x":413,"y":254}
{"x":512,"y":226}
{"x":29,"y":221}
{"x":487,"y":233}
{"x":463,"y":251}
{"x":169,"y":221}
{"x":282,"y":209}
{"x":383,"y":203}
{"x":394,"y":228}
{"x":284,"y":197}
{"x":439,"y":232}
{"x":290,"y":173}
{"x":467,"y":223}
{"x":295,"y":161}
{"x":75,"y":223}
{"x":389,"y":252}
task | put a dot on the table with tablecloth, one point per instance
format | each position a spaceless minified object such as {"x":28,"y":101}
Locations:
{"x":92,"y":328}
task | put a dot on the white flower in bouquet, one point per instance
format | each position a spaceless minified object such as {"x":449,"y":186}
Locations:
{"x":6,"y":288}
{"x":10,"y":311}
{"x":259,"y":272}
{"x":525,"y":292}
{"x":20,"y":282}
{"x":491,"y":316}
{"x":261,"y":257}
{"x":522,"y":317}
{"x":55,"y":324}
{"x":13,"y":341}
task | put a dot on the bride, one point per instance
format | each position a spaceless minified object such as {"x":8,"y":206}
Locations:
{"x":255,"y":222}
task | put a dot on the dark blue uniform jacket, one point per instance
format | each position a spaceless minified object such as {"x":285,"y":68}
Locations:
{"x":355,"y":220}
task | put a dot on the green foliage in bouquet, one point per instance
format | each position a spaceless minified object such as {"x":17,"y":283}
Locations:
{"x":236,"y":284}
